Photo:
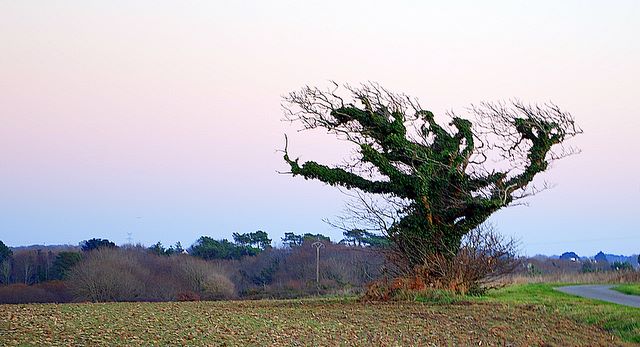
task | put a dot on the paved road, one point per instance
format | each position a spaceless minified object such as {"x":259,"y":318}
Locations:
{"x":602,"y":292}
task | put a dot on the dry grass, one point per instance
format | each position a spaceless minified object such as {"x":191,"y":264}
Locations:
{"x":608,"y":277}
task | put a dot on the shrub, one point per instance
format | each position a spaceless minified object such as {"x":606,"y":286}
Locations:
{"x":204,"y":278}
{"x":108,"y":274}
{"x":20,"y":293}
{"x":484,"y":258}
{"x":134,"y":274}
{"x":217,"y":286}
{"x":188,"y":296}
{"x":53,"y":291}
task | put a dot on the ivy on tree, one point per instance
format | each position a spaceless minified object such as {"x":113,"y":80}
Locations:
{"x":435,"y":178}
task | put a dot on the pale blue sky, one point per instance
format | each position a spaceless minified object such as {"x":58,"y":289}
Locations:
{"x":169,"y":111}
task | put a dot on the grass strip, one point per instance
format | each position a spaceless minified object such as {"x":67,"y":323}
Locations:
{"x":619,"y":320}
{"x":630,"y":289}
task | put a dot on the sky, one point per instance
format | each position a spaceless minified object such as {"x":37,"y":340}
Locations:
{"x":162,"y":119}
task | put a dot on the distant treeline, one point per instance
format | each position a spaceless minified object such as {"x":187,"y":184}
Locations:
{"x":570,"y":262}
{"x":209,"y":269}
{"x":247,"y":267}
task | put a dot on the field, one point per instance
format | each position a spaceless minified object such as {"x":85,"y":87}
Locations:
{"x":518,"y":315}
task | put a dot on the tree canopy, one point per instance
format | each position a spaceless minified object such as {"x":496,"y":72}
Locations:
{"x":258,"y":239}
{"x":207,"y":248}
{"x":248,"y":244}
{"x":159,"y":249}
{"x":63,"y":263}
{"x":91,"y":244}
{"x":360,"y":238}
{"x":435,"y":178}
{"x":291,"y":239}
{"x":5,"y":252}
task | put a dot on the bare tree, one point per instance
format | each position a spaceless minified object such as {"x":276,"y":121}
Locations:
{"x":5,"y":271}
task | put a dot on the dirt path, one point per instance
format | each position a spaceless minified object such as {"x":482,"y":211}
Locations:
{"x":602,"y":292}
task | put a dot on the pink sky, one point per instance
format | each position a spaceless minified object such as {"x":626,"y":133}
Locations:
{"x":169,"y":111}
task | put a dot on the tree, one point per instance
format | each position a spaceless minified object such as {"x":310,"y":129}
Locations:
{"x":63,"y":263}
{"x":177,"y":249}
{"x":373,"y":240}
{"x":5,"y":252}
{"x":588,"y":267}
{"x":91,"y":244}
{"x":621,"y":266}
{"x":258,"y":239}
{"x":435,"y":180}
{"x":261,"y":269}
{"x":24,"y":265}
{"x":360,"y":237}
{"x":5,"y":271}
{"x":309,"y":237}
{"x":207,"y":248}
{"x":353,"y":237}
{"x":291,"y":240}
{"x":571,"y":256}
{"x":601,"y":258}
{"x":158,"y":249}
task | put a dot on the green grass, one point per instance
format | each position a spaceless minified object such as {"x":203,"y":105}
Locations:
{"x":619,"y":320}
{"x":631,"y":289}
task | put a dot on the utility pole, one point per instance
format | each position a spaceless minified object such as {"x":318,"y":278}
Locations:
{"x":317,"y":246}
